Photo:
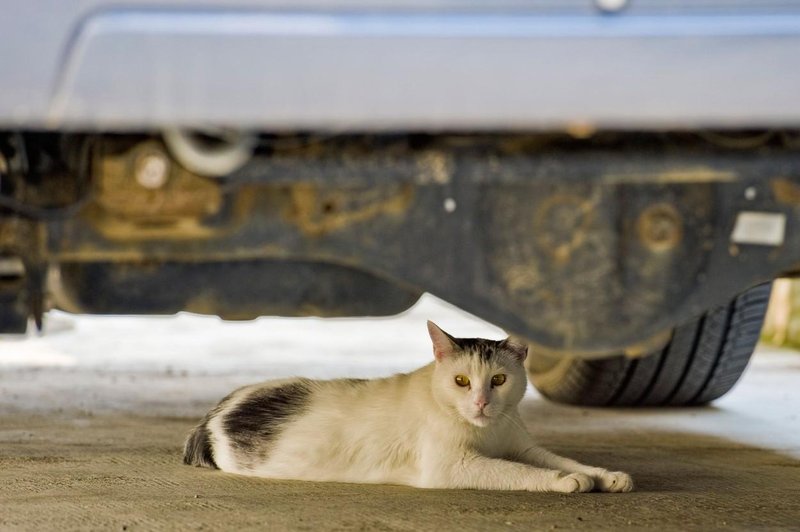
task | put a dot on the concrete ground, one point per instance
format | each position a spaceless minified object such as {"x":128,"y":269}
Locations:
{"x":93,"y":415}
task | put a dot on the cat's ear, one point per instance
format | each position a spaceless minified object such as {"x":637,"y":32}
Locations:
{"x":517,"y":348}
{"x":444,"y":345}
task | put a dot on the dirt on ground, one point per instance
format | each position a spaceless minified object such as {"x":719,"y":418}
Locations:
{"x":98,"y":447}
{"x":77,"y":471}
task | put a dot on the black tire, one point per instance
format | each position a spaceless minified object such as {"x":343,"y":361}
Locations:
{"x":702,"y":361}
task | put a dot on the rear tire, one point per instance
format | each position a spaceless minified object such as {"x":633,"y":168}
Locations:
{"x":702,"y":361}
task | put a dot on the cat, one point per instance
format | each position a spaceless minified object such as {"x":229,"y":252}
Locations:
{"x":450,"y":424}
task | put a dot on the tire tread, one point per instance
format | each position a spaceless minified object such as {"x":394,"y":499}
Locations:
{"x":703,"y":360}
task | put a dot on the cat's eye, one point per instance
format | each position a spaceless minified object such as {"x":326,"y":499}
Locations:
{"x":462,"y":380}
{"x":498,"y":379}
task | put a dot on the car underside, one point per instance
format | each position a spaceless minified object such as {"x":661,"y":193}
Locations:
{"x":613,"y":184}
{"x":584,"y":245}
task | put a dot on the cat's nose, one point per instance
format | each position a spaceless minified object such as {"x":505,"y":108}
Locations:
{"x":481,"y":402}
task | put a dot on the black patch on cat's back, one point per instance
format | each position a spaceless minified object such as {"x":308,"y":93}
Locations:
{"x":258,"y":419}
{"x":197,"y":451}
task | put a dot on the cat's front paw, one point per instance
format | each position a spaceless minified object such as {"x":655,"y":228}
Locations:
{"x":614,"y":481}
{"x":574,"y":483}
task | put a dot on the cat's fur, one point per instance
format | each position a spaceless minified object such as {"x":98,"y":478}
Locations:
{"x":420,"y":429}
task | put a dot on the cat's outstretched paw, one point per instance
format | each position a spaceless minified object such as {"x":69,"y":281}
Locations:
{"x":574,"y":483}
{"x":614,"y":481}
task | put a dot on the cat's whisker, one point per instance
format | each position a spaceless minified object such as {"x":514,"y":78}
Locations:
{"x":517,"y":424}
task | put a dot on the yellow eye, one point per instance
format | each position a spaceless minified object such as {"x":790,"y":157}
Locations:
{"x":462,"y":380}
{"x":498,"y":379}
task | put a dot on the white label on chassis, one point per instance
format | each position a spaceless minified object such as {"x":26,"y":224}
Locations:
{"x":761,"y":228}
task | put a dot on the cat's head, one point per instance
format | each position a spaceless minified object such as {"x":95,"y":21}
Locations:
{"x":480,"y":379}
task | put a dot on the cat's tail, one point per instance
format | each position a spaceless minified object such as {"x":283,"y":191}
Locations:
{"x":197,"y":450}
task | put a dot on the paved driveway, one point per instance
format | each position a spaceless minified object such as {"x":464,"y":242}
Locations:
{"x":93,"y":415}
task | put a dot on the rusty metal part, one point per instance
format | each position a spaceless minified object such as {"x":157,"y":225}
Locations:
{"x":233,"y":290}
{"x":737,"y":141}
{"x":39,"y":185}
{"x":317,"y":210}
{"x":786,"y":191}
{"x":21,"y":274}
{"x":14,"y":301}
{"x":561,"y":224}
{"x":660,"y":227}
{"x":139,"y":193}
{"x":582,"y":246}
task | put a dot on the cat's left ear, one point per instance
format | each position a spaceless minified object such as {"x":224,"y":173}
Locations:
{"x":517,"y":348}
{"x":444,"y":345}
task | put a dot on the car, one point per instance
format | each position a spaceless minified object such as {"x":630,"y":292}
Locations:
{"x":615,"y":184}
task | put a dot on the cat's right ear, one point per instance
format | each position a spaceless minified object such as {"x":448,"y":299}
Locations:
{"x":444,"y":345}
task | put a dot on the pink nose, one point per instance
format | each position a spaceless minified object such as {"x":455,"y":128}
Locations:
{"x":481,"y":403}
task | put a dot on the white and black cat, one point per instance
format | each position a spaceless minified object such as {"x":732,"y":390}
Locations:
{"x":451,"y":424}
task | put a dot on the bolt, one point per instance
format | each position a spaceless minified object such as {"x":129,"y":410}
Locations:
{"x":750,"y":193}
{"x":449,"y":205}
{"x":152,"y":170}
{"x":660,"y":227}
{"x":610,"y":6}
